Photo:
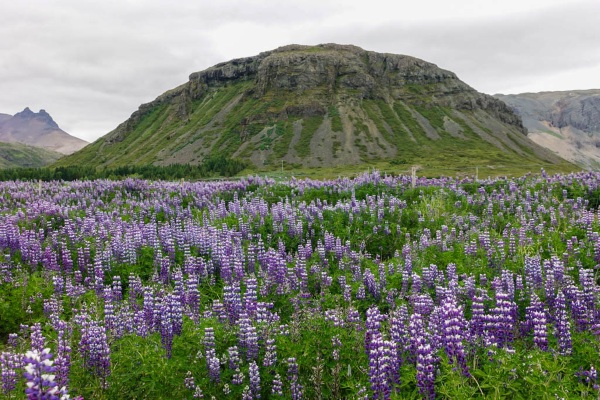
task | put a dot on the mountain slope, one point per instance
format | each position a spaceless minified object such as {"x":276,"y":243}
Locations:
{"x":565,"y":122}
{"x":15,"y":155}
{"x":39,"y":130}
{"x":319,"y":106}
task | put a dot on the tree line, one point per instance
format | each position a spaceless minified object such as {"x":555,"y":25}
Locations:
{"x":211,"y":167}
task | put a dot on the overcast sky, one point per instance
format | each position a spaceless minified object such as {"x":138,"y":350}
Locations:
{"x":90,"y":64}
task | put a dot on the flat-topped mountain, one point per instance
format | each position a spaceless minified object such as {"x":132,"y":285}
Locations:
{"x":319,"y":106}
{"x":39,"y":130}
{"x":566,"y":122}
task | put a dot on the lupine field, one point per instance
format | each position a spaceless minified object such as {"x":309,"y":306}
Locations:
{"x":363,"y":288}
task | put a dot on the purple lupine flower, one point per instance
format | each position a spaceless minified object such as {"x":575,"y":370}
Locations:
{"x":9,"y":364}
{"x":477,"y":322}
{"x":189,"y":381}
{"x":373,"y":326}
{"x":589,"y":377}
{"x":277,"y":386}
{"x":232,"y":301}
{"x":425,"y":367}
{"x":537,"y":319}
{"x":40,"y":378}
{"x":63,"y":357}
{"x":166,"y":327}
{"x":254,"y":376}
{"x":37,"y":337}
{"x":234,"y":357}
{"x":248,"y":338}
{"x":214,"y":366}
{"x":13,"y":340}
{"x":270,"y":353}
{"x":292,"y":375}
{"x":399,"y":330}
{"x":416,"y":329}
{"x":234,"y":365}
{"x":563,"y":326}
{"x":379,"y":364}
{"x":94,"y":349}
{"x":209,"y":338}
{"x":371,"y":284}
{"x":501,"y":321}
{"x":454,"y":326}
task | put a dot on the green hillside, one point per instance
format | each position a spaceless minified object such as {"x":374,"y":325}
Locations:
{"x":326,"y":106}
{"x":14,"y":155}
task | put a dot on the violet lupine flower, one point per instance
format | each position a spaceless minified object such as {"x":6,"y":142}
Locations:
{"x":399,"y":330}
{"x":277,"y":386}
{"x":212,"y":362}
{"x":234,"y":365}
{"x":214,"y":366}
{"x":13,"y":340}
{"x":234,"y":357}
{"x":166,"y":326}
{"x":292,"y":375}
{"x":416,"y":328}
{"x":109,"y":310}
{"x":589,"y":377}
{"x":37,"y":337}
{"x":248,"y":338}
{"x":425,"y":367}
{"x":563,"y":326}
{"x":373,"y":326}
{"x":500,"y":322}
{"x":63,"y":357}
{"x":254,"y":376}
{"x":94,"y":349}
{"x":371,"y":284}
{"x":477,"y":323}
{"x":270,"y":353}
{"x":9,"y":364}
{"x":40,"y":378}
{"x":189,"y":381}
{"x":454,"y":328}
{"x":537,"y":319}
{"x":379,"y":364}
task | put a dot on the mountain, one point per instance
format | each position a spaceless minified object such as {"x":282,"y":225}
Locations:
{"x":565,"y":122}
{"x":15,"y":155}
{"x":39,"y":130}
{"x":320,"y":106}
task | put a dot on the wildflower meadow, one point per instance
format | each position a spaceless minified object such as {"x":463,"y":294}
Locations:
{"x":373,"y":287}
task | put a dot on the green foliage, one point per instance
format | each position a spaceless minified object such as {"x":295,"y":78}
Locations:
{"x":309,"y":127}
{"x":211,"y":166}
{"x":16,"y":155}
{"x":336,"y":120}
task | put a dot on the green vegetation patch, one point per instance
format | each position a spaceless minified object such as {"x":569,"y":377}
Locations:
{"x":309,"y":127}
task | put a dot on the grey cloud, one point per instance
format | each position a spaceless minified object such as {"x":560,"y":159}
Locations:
{"x":495,"y":53}
{"x":91,"y":64}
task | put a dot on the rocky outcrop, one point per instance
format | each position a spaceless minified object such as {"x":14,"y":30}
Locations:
{"x":39,"y":130}
{"x":567,"y":122}
{"x":312,"y":106}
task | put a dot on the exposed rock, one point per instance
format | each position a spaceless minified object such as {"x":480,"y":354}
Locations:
{"x":565,"y":122}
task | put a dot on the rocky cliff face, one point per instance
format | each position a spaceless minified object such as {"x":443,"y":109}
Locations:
{"x":314,"y":106}
{"x":567,"y":123}
{"x":37,"y":129}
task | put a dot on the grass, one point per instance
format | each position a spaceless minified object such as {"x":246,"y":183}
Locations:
{"x":20,"y":155}
{"x":309,"y":127}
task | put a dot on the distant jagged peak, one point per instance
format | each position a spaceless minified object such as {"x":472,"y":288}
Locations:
{"x":42,"y":116}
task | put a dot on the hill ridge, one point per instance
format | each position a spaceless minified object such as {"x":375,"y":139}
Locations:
{"x":318,"y":106}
